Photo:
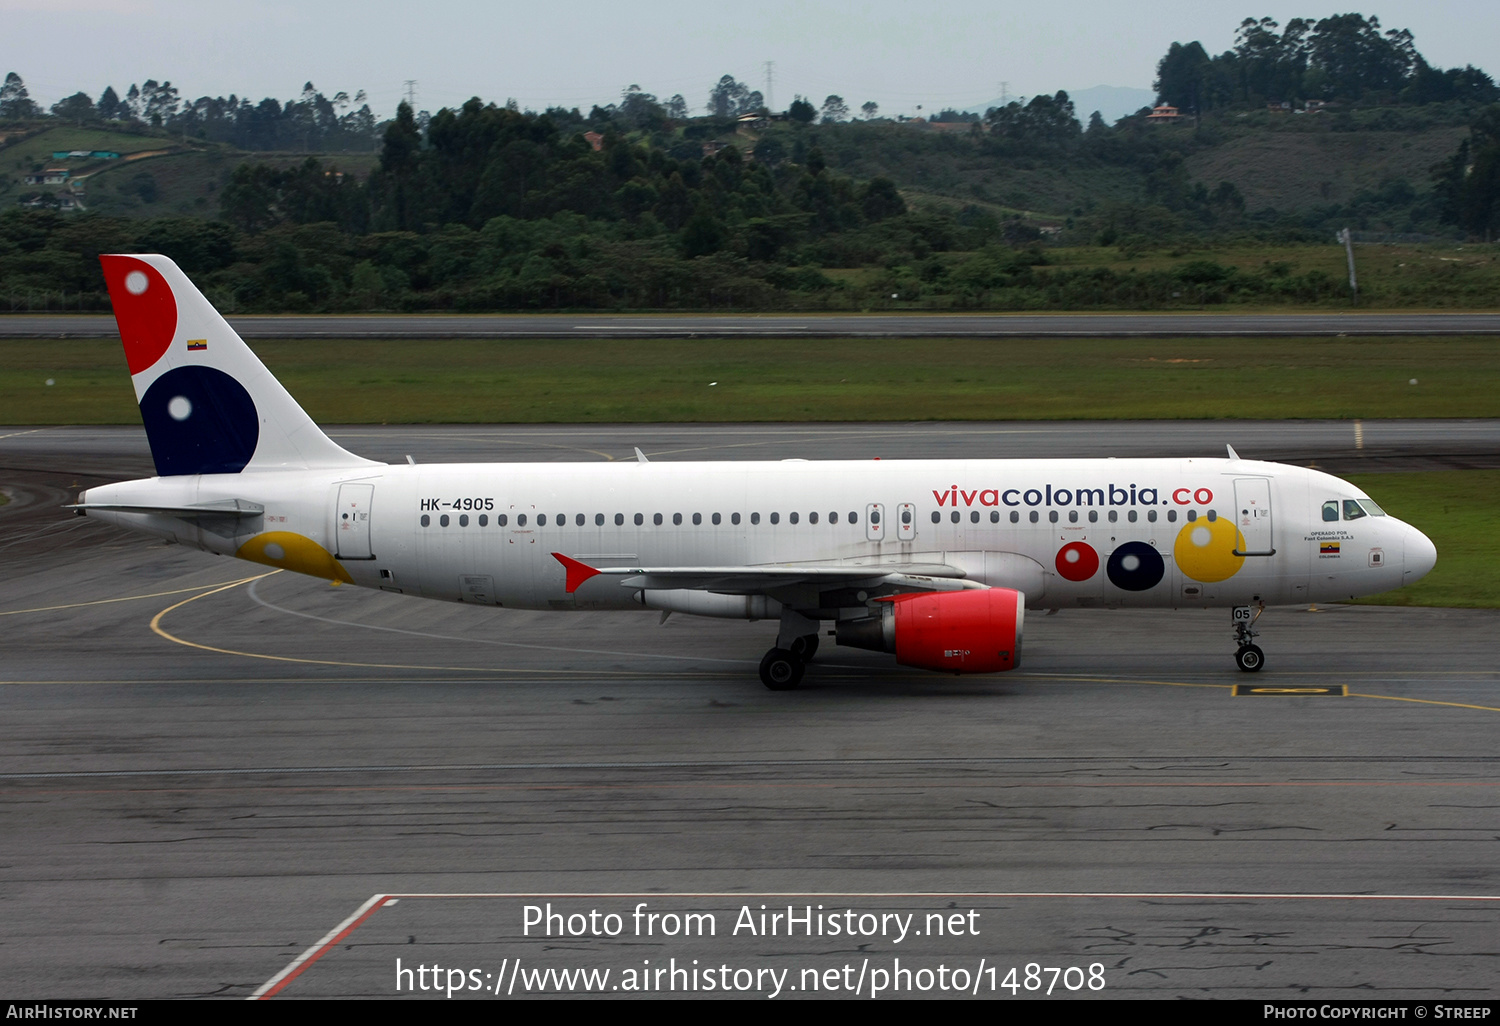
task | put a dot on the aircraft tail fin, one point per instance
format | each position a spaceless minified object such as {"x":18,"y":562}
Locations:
{"x":210,"y":406}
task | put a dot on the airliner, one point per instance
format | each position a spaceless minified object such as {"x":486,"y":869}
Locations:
{"x":933,"y":561}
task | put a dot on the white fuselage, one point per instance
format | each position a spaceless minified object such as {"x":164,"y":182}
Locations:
{"x":485,"y":533}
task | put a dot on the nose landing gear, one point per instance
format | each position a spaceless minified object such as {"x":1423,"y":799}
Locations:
{"x":1247,"y":656}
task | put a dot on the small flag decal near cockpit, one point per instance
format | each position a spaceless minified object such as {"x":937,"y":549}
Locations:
{"x":1328,"y":549}
{"x":197,"y":343}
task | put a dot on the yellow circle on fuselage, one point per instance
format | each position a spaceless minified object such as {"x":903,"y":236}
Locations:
{"x":1205,"y":550}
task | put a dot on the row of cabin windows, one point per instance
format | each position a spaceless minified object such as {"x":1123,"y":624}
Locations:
{"x":1052,"y":516}
{"x":658,"y":519}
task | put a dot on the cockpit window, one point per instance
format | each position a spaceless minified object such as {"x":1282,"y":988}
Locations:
{"x":1331,"y":510}
{"x":1352,"y":510}
{"x":1371,"y":508}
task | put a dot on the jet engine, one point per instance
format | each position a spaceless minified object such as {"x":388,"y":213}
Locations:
{"x":973,"y":631}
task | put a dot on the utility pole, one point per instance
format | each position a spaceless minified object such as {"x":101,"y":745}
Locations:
{"x":411,"y":94}
{"x":769,"y":66}
{"x":1349,"y":249}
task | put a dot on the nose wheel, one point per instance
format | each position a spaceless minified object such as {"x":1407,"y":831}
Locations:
{"x":1247,"y":656}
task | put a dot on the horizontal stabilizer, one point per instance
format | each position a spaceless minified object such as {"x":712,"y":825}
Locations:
{"x":220,"y":508}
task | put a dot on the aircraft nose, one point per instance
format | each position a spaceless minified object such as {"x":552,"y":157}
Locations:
{"x":1419,"y":558}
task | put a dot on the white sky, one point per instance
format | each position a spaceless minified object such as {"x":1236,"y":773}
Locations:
{"x":580,"y":52}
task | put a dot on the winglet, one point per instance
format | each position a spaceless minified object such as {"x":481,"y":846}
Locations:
{"x":1232,"y":454}
{"x":577,"y":572}
{"x":640,"y":457}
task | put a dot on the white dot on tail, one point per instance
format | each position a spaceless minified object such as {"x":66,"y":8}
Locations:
{"x":180,"y":408}
{"x":274,"y":551}
{"x":1201,"y":536}
{"x":136,"y":282}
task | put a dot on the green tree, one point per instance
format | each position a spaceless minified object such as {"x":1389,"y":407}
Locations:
{"x":802,"y":111}
{"x":834,"y":110}
{"x":15,"y":103}
{"x":728,"y":99}
{"x":77,"y":108}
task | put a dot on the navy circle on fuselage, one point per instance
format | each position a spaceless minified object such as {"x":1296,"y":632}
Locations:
{"x":199,"y":420}
{"x":1136,"y":566}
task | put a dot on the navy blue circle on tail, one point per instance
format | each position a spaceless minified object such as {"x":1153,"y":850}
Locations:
{"x":199,"y":421}
{"x":1136,"y":566}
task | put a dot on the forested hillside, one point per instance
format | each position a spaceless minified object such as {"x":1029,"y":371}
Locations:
{"x":312,"y":205}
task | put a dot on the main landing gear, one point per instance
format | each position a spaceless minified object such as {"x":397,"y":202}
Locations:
{"x":1247,"y":656}
{"x":781,"y":668}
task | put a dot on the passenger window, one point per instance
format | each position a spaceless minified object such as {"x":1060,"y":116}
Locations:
{"x":754,"y":518}
{"x":734,"y":518}
{"x":1131,"y":516}
{"x":598,"y":519}
{"x":1093,"y":516}
{"x":463,"y":520}
{"x":1192,"y":515}
{"x":1015,"y":516}
{"x":792,"y":517}
{"x":1171,"y":516}
{"x":906,"y":517}
{"x":1114,"y":515}
{"x":443,"y":520}
{"x":619,"y":520}
{"x":717,"y":519}
{"x":640,"y":519}
{"x":697,"y":519}
{"x":812,"y":518}
{"x":833,"y":518}
{"x":994,"y":516}
{"x":1352,"y":510}
{"x":1034,"y":517}
{"x":677,"y":519}
{"x":974,"y":517}
{"x":1213,"y":515}
{"x":775,"y":518}
{"x":580,"y":520}
{"x":853,"y":517}
{"x":1072,"y":516}
{"x":656,"y":519}
{"x":1330,"y":511}
{"x":874,"y":516}
{"x":1151,"y":515}
{"x":937,"y":518}
{"x":954,"y":516}
{"x":426,"y":520}
{"x":520,"y":520}
{"x":484,"y":520}
{"x":501,"y":519}
{"x":1052,"y":515}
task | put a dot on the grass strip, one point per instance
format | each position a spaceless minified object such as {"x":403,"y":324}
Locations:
{"x":343,"y":381}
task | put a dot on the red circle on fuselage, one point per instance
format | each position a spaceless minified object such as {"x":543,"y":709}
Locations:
{"x":1077,"y":561}
{"x":147,"y":315}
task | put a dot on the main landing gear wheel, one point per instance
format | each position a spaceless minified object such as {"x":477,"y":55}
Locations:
{"x":805,"y":647}
{"x":1250,"y":658}
{"x":780,"y":670}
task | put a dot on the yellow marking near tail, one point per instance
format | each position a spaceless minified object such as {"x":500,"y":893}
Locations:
{"x":287,"y":550}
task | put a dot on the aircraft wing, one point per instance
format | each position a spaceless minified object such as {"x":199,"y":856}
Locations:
{"x":754,"y":580}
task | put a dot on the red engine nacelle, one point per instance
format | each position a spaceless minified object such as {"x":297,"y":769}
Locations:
{"x":974,"y":631}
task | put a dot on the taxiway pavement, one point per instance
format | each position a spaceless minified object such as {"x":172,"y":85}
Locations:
{"x":204,"y":768}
